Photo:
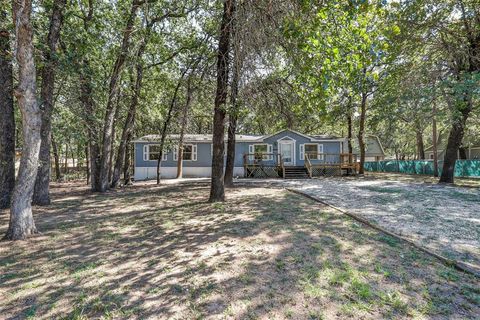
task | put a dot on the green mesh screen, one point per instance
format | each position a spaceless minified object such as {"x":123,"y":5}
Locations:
{"x":463,"y":168}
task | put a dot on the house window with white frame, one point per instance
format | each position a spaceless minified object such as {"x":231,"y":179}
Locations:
{"x":154,"y":153}
{"x":189,"y":152}
{"x":260,"y":150}
{"x":263,"y":151}
{"x":313,"y":150}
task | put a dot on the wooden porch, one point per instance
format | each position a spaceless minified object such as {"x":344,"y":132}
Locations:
{"x":272,"y":165}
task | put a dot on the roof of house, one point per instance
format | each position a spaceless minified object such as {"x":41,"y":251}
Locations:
{"x":374,"y":147}
{"x":238,"y":137}
{"x":197,"y":137}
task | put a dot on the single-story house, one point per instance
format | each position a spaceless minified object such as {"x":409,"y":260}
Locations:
{"x":471,"y":148}
{"x":287,"y":148}
{"x":373,"y":148}
{"x":471,"y":152}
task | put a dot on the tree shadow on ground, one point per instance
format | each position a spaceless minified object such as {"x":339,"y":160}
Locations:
{"x":165,"y":252}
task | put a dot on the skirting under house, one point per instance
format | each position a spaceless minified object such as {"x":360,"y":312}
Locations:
{"x":148,"y":173}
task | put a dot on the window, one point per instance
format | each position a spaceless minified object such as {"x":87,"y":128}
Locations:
{"x":312,"y":151}
{"x":259,"y":150}
{"x":154,"y":153}
{"x":189,"y":152}
{"x":263,"y":151}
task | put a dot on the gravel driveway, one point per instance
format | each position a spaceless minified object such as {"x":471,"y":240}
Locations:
{"x":442,"y":218}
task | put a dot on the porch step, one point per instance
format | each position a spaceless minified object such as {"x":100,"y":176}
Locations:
{"x":296,"y":173}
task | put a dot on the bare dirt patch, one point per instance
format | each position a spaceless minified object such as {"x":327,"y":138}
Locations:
{"x":151,"y":252}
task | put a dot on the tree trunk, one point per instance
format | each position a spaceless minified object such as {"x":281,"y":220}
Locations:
{"x":361,"y":132}
{"x":434,"y":139}
{"x":41,"y":194}
{"x":350,"y":132}
{"x":56,"y":158}
{"x":110,"y":161}
{"x":462,"y":153}
{"x":166,"y":123}
{"x":110,"y":110}
{"x":126,"y":168}
{"x":183,"y":127}
{"x":21,"y":218}
{"x":454,"y":141}
{"x":232,"y":123}
{"x":180,"y":156}
{"x":72,"y":154}
{"x":7,"y":116}
{"x":230,"y":163}
{"x":217,"y":190}
{"x":130,"y":120}
{"x":420,"y":145}
{"x":87,"y":164}
{"x":86,"y":97}
{"x":65,"y":163}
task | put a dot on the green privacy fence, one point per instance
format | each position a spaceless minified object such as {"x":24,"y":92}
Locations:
{"x":463,"y":168}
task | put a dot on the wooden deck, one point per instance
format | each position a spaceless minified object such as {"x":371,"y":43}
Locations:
{"x":271,"y":165}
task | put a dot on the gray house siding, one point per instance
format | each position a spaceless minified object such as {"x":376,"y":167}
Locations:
{"x":329,"y":147}
{"x":204,"y":158}
{"x":146,"y":169}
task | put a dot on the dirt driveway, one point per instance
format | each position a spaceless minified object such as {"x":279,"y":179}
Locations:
{"x":445,"y":219}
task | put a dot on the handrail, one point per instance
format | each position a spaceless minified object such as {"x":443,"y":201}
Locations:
{"x":260,"y":158}
{"x":308,"y":165}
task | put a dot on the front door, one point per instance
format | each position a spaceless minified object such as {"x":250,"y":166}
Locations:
{"x":287,"y":151}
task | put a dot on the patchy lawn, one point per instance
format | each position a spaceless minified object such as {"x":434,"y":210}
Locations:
{"x":165,"y":253}
{"x":444,"y":219}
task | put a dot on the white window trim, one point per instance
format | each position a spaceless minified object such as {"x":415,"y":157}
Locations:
{"x":269,"y":150}
{"x":194,"y":152}
{"x":146,"y":153}
{"x":319,"y":150}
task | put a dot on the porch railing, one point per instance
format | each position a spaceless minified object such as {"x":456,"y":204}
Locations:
{"x":262,"y":159}
{"x":323,"y":158}
{"x":260,"y":165}
{"x":349,"y":161}
{"x":325,"y":164}
{"x":308,"y":165}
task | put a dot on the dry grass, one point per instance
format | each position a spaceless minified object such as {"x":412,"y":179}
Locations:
{"x":166,"y":253}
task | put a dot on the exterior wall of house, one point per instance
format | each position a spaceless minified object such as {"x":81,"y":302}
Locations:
{"x":472,"y":154}
{"x":329,"y":147}
{"x":373,"y":149}
{"x":429,"y":155}
{"x":201,"y":167}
